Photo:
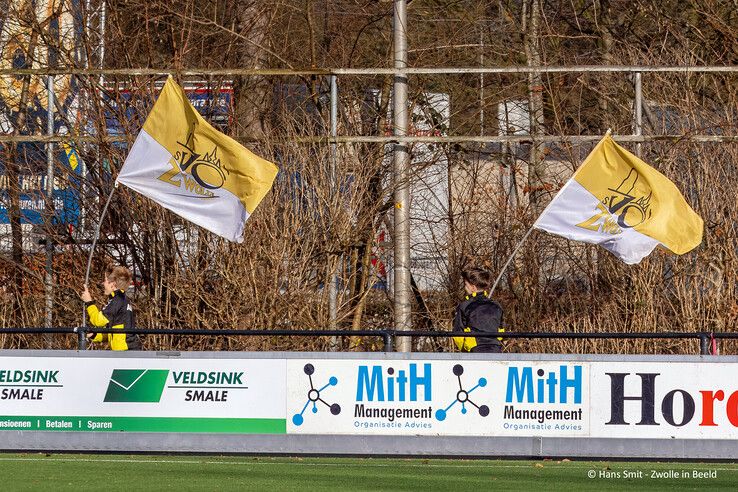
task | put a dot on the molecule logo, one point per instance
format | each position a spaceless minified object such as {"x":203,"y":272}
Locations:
{"x":462,"y":396}
{"x":314,"y":397}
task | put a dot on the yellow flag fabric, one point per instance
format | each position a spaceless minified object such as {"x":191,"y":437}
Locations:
{"x":618,"y":201}
{"x":180,"y":161}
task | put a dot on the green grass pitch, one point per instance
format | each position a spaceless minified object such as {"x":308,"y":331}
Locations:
{"x":42,"y":471}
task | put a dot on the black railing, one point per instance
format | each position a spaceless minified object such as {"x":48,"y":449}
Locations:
{"x":387,"y":335}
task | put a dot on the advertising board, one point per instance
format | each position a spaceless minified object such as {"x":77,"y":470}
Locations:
{"x":144,"y":395}
{"x":459,"y":398}
{"x":371,"y":396}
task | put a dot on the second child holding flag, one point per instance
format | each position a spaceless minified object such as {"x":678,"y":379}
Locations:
{"x":478,"y":314}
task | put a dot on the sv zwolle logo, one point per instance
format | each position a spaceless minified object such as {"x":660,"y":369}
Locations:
{"x":621,"y":210}
{"x":708,"y":401}
{"x":197,"y":173}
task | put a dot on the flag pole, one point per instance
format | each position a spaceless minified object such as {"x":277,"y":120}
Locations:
{"x":507,"y":263}
{"x":515,"y":251}
{"x":520,"y":244}
{"x":94,"y":242}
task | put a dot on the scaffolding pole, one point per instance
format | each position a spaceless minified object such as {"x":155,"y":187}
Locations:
{"x":351,"y":139}
{"x":638,"y":108}
{"x":275,"y":72}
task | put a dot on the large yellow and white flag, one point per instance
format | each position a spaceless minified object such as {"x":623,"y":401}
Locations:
{"x":621,"y":203}
{"x":184,"y":164}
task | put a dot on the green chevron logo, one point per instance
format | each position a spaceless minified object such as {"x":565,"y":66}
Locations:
{"x":136,"y":385}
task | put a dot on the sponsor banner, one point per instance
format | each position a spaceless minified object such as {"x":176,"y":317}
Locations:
{"x":148,"y":395}
{"x":416,"y":397}
{"x":665,"y":400}
{"x":618,"y":399}
{"x":215,"y":103}
{"x":32,"y":185}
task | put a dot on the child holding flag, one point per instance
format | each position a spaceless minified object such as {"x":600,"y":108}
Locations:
{"x":478,"y":314}
{"x":117,"y":313}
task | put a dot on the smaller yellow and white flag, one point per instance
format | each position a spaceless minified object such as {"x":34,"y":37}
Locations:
{"x":621,"y":203}
{"x":184,"y":164}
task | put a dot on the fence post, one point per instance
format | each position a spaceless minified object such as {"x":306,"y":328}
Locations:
{"x":387,"y":336}
{"x":704,"y":344}
{"x":81,"y":338}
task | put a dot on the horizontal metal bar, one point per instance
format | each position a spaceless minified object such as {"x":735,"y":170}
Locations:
{"x":378,"y":333}
{"x":349,"y":139}
{"x":372,"y":70}
{"x":550,"y":69}
{"x":516,"y":139}
{"x":63,"y":138}
{"x":606,"y":335}
{"x":614,"y":335}
{"x":180,"y":331}
{"x":35,"y":331}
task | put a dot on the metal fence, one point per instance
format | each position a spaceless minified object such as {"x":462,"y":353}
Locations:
{"x":387,"y":335}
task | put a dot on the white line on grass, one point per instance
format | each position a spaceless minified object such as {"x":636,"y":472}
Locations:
{"x":368,"y":465}
{"x":192,"y":462}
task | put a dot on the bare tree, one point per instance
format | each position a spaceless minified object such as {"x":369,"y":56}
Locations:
{"x":326,"y":212}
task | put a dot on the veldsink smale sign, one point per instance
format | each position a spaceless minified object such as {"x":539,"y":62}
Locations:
{"x":144,"y":395}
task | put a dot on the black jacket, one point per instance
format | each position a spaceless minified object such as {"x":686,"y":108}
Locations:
{"x":480,"y":314}
{"x":117,"y":313}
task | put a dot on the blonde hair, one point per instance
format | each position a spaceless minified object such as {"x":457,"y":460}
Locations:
{"x":120,"y":276}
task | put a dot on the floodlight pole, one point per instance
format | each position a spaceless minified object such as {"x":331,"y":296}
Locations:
{"x":332,"y":277}
{"x":401,"y":267}
{"x":48,"y":278}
